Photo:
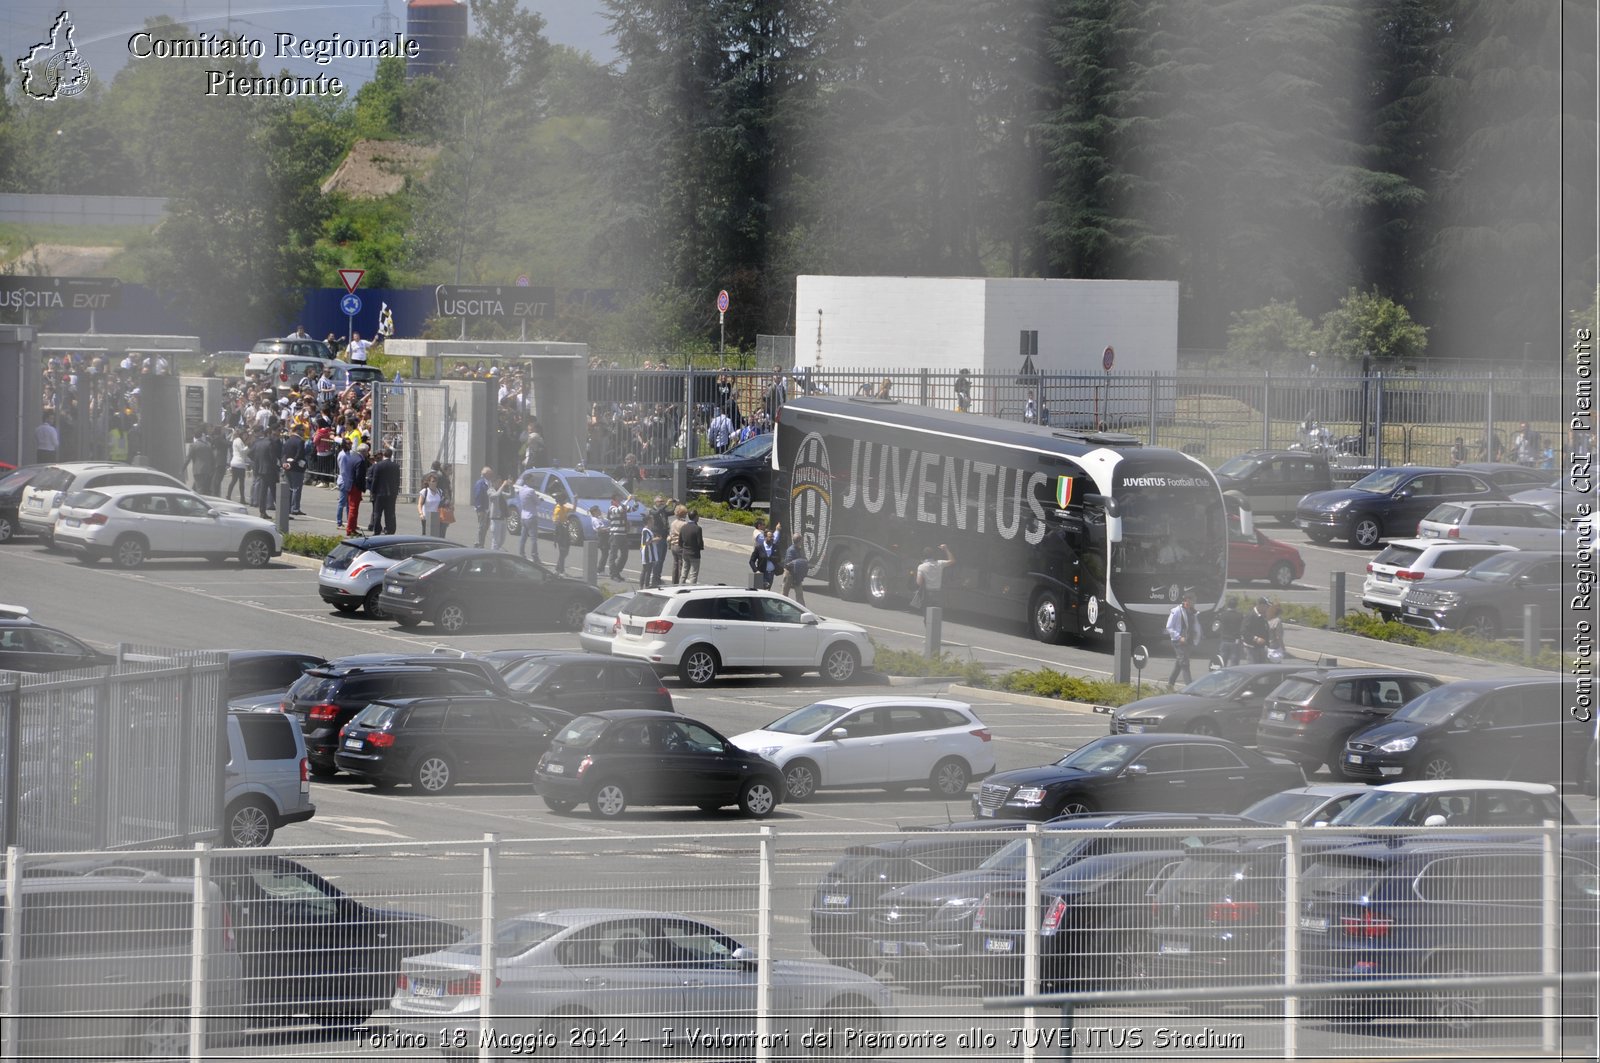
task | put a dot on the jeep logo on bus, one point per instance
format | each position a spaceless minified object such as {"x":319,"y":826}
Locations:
{"x":810,"y":499}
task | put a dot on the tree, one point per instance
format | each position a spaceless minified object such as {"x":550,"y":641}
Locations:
{"x":1369,"y":323}
{"x":1276,"y":328}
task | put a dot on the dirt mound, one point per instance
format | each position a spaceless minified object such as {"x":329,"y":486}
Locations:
{"x":62,"y":260}
{"x":377,"y":168}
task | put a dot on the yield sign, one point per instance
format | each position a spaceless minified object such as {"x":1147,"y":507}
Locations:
{"x":351,"y":278}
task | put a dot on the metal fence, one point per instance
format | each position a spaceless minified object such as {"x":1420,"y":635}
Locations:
{"x":1384,"y":419}
{"x":118,"y":756}
{"x":418,"y":422}
{"x":856,"y":945}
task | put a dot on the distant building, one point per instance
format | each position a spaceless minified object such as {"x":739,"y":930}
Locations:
{"x":439,"y":27}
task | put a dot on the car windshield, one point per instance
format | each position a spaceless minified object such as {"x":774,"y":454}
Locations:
{"x":1498,"y":569}
{"x":1237,"y":467}
{"x":582,"y":732}
{"x":808,"y":720}
{"x":376,"y":716}
{"x":342,"y":553}
{"x":1437,"y":705}
{"x":1104,"y":756}
{"x":594,"y":485}
{"x":1218,"y":684}
{"x":755,"y":447}
{"x":86,"y":499}
{"x":511,"y":938}
{"x":645,"y":605}
{"x":17,"y":478}
{"x":1381,"y":482}
{"x":525,"y":675}
{"x":613,"y":605}
{"x":1282,"y":808}
{"x":1372,"y":810}
{"x":1054,"y":847}
{"x":417,"y":567}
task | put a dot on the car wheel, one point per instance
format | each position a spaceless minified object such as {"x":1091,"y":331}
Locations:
{"x":162,"y":1032}
{"x":740,"y":494}
{"x":345,"y":606}
{"x":800,"y":780}
{"x":451,"y":618}
{"x":846,"y":577}
{"x":840,"y":663}
{"x":1282,"y":575}
{"x":514,"y":526}
{"x":1457,"y":1009}
{"x":609,"y":800}
{"x":322,"y":771}
{"x":1309,"y":768}
{"x":1482,"y":623}
{"x":1075,"y":805}
{"x":572,"y":615}
{"x":1204,"y":727}
{"x":950,"y":777}
{"x":1044,"y":617}
{"x":8,"y":530}
{"x":370,"y":606}
{"x":407,"y":621}
{"x":433,"y":774}
{"x":699,"y":666}
{"x":255,"y":551}
{"x":1437,"y":767}
{"x":1319,"y":535}
{"x":757,"y":799}
{"x":558,"y":806}
{"x":247,"y":824}
{"x":1365,"y":531}
{"x":129,"y":551}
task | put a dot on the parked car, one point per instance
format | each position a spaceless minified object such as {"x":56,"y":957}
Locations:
{"x":1255,"y":557}
{"x":285,"y":373}
{"x":1505,"y":475}
{"x":1311,"y":713}
{"x":1519,"y":524}
{"x":631,"y":971}
{"x":1217,"y":916}
{"x":622,"y":757}
{"x":11,"y":485}
{"x":458,"y":587}
{"x":1387,"y":502}
{"x":1137,"y":773}
{"x":435,"y":743}
{"x":703,"y":632}
{"x":1555,"y":497}
{"x":324,"y":699}
{"x":579,"y":682}
{"x":26,"y":646}
{"x":265,"y":351}
{"x":1515,"y":727}
{"x":352,"y":574}
{"x":1456,"y":803}
{"x":876,"y":741}
{"x":1435,"y":908}
{"x":1488,"y":599}
{"x":849,"y":891}
{"x":267,"y":780}
{"x":1225,"y":703}
{"x":741,"y":477}
{"x":580,"y":487}
{"x":131,"y":524}
{"x":1275,"y":480}
{"x":42,"y":496}
{"x":1306,"y":805}
{"x":253,"y":673}
{"x":1404,"y":563}
{"x":600,"y":624}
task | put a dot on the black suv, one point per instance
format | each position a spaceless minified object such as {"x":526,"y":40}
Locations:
{"x":327,"y":698}
{"x":1387,"y":503}
{"x":583,"y":682}
{"x":741,"y":477}
{"x":434,"y":743}
{"x":1311,"y":713}
{"x":1487,"y":599}
{"x":1275,"y":480}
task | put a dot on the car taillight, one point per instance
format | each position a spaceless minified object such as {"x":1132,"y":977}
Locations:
{"x":664,"y":692}
{"x":305,"y":769}
{"x":357,"y":571}
{"x":1453,"y":533}
{"x":380,"y":740}
{"x":1369,"y":567}
{"x":228,"y":942}
{"x":1408,"y":575}
{"x":469,"y":986}
{"x":283,"y":376}
{"x":325,"y":711}
{"x":96,"y":519}
{"x":982,"y":734}
{"x":657,"y":627}
{"x":283,"y":704}
{"x":616,"y":625}
{"x":1233,"y":911}
{"x":401,"y":982}
{"x":1053,"y":915}
{"x":1365,"y":925}
{"x":585,"y":764}
{"x":981,"y":914}
{"x":1305,"y":715}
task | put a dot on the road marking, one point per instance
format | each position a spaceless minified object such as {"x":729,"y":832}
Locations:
{"x":350,"y":825}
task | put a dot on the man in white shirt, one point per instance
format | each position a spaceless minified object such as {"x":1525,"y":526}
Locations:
{"x":1183,"y":629}
{"x":930,"y":577}
{"x":46,"y":439}
{"x":358,"y":349}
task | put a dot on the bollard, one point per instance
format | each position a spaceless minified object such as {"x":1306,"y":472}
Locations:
{"x":932,"y":636}
{"x":435,"y":529}
{"x":1530,"y":631}
{"x":680,"y":477}
{"x":591,"y":562}
{"x":1121,"y":656}
{"x":283,"y":507}
{"x":750,"y":583}
{"x":1336,"y":598}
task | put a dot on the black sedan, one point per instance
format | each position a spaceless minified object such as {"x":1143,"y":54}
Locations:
{"x":1226,"y":703}
{"x":1138,"y":773}
{"x":459,"y":587}
{"x":29,"y":647}
{"x":741,"y":477}
{"x":1388,"y":502}
{"x":434,"y":743}
{"x":623,"y":757}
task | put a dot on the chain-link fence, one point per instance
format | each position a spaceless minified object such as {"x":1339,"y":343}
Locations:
{"x":784,"y":945}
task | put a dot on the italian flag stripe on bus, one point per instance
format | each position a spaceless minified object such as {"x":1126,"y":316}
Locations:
{"x":1063,"y":491}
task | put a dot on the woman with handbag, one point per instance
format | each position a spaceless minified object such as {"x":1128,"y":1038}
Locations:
{"x":428,"y":501}
{"x":1274,"y":633}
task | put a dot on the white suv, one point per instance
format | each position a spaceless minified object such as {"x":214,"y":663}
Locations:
{"x":705,"y":631}
{"x":1406,"y":562}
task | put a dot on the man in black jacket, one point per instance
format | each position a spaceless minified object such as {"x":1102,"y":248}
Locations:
{"x":383,"y":484}
{"x":1253,"y":631}
{"x":295,"y":453}
{"x":266,"y":457}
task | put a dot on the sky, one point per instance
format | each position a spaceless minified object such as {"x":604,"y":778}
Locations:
{"x":103,"y":27}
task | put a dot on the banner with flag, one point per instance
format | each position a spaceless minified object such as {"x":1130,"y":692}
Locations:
{"x":1063,"y":491}
{"x":385,"y":322}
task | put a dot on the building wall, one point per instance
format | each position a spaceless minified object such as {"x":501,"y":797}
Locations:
{"x":1078,"y":319}
{"x":890,"y":322}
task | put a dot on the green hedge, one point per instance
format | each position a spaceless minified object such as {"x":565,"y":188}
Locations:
{"x":1372,"y":626}
{"x":1044,"y":682}
{"x":310,"y":544}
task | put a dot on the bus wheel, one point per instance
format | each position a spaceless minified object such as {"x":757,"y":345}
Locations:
{"x":1045,"y":616}
{"x":848,"y":581}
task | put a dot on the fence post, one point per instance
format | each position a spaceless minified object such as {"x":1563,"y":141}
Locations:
{"x":1291,"y":935}
{"x":1488,"y":426}
{"x":10,"y":1032}
{"x":1266,"y":409}
{"x":199,"y":953}
{"x":591,"y":562}
{"x":689,"y":425}
{"x":933,"y":631}
{"x":1335,"y":597}
{"x":491,"y":844}
{"x":924,"y":387}
{"x":1377,"y":421}
{"x":1030,"y":938}
{"x":12,"y":766}
{"x":1530,"y":632}
{"x":1155,"y":387}
{"x":1550,"y":941}
{"x":764,"y":949}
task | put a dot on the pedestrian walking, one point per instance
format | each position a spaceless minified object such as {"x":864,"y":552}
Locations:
{"x":930,"y":579}
{"x":795,"y":567}
{"x":480,"y":502}
{"x":199,"y":457}
{"x":1227,"y":625}
{"x":429,"y":499}
{"x":600,"y":527}
{"x":528,"y":513}
{"x":1253,"y":631}
{"x":764,"y":559}
{"x":617,"y":525}
{"x":238,"y":464}
{"x":265,"y":463}
{"x":649,"y":549}
{"x":1275,"y":651}
{"x":46,"y":439}
{"x":692,"y":541}
{"x":383,"y":484}
{"x":295,"y":460}
{"x":1183,"y":630}
{"x":500,"y":499}
{"x":680,"y":517}
{"x":562,"y":518}
{"x":659,"y":519}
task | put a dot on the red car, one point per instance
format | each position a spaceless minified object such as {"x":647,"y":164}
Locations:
{"x":1256,"y":557}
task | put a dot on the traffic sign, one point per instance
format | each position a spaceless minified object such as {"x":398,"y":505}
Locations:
{"x":722,"y":301}
{"x":1141,"y":657}
{"x":522,"y":280}
{"x":350,"y":304}
{"x":351,"y":278}
{"x":1107,"y":358}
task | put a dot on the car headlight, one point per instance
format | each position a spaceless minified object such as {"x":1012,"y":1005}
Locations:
{"x":1029,"y":795}
{"x":768,"y":752}
{"x":1398,"y":745}
{"x":1343,"y":503}
{"x":710,"y":470}
{"x":961,"y":902}
{"x":1446,"y":598}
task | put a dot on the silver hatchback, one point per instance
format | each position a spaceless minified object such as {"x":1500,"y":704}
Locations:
{"x":352,"y":574}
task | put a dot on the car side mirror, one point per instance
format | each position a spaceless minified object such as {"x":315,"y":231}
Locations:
{"x":744,"y":956}
{"x":1320,"y":823}
{"x":1404,"y":492}
{"x":810,"y":618}
{"x":1136,"y":770}
{"x":1435,"y":820}
{"x":212,"y":513}
{"x":839,"y":732}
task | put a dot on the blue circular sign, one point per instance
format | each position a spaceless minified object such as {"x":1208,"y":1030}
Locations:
{"x":722,"y":302}
{"x":351,"y":305}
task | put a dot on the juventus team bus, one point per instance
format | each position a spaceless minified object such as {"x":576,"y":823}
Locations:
{"x":1076,"y":533}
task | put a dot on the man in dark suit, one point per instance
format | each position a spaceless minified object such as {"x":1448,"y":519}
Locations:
{"x":383,"y":484}
{"x":295,"y":453}
{"x":266,"y":458}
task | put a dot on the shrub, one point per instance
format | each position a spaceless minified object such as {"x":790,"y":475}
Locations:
{"x":905,"y":662}
{"x":1049,"y":683}
{"x":310,"y":544}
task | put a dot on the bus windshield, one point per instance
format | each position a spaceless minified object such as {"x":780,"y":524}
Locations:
{"x":1171,"y":532}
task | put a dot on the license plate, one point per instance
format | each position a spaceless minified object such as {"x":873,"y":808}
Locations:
{"x":555,"y":769}
{"x":1352,"y":758}
{"x":987,"y":812}
{"x":1173,"y":948}
{"x":998,"y":944}
{"x":1430,"y":533}
{"x":71,"y":522}
{"x":352,"y":743}
{"x":391,"y":588}
{"x":426,"y":989}
{"x":1276,"y":714}
{"x":35,"y":503}
{"x":889,"y":948}
{"x":1316,"y":924}
{"x":1136,"y":728}
{"x":836,"y":900}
